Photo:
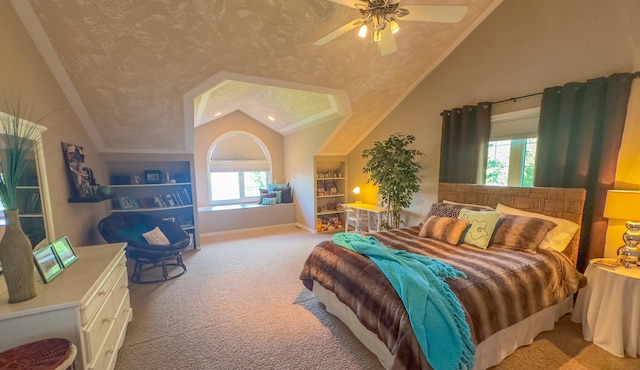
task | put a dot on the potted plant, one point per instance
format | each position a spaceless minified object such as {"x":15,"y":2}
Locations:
{"x":393,"y":168}
{"x":18,"y":136}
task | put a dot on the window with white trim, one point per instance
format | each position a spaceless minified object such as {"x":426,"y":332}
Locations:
{"x":239,"y":165}
{"x":512,"y":148}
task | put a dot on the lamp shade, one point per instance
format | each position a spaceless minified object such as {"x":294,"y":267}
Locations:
{"x":623,"y":205}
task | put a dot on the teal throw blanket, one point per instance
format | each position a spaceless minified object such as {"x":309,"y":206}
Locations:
{"x":419,"y":281}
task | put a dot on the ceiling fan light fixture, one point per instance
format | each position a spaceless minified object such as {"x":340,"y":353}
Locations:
{"x":395,"y":27}
{"x":377,"y":35}
{"x":362,"y":33}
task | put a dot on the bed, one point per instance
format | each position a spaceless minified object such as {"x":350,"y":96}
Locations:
{"x":503,"y":313}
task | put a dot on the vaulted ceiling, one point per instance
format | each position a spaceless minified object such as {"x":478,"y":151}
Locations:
{"x":142,"y":74}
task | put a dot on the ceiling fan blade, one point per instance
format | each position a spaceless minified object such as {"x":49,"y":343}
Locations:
{"x":339,"y":32}
{"x":387,"y":43}
{"x":435,"y":13}
{"x":349,"y":3}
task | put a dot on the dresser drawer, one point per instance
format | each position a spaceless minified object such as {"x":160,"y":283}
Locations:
{"x":88,"y":310}
{"x":105,"y":359}
{"x":98,"y":329}
{"x":121,"y":287}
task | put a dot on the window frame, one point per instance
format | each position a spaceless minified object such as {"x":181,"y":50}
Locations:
{"x":237,"y":166}
{"x":517,"y":127}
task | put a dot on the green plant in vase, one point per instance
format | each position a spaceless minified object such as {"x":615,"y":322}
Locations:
{"x":18,"y":137}
{"x":393,"y":168}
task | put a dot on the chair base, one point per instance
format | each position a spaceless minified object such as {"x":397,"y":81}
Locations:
{"x":145,"y":264}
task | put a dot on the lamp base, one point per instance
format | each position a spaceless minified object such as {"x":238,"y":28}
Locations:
{"x":629,"y":254}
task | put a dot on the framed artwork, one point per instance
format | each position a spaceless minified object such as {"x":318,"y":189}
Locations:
{"x":48,"y":264}
{"x":81,"y":180}
{"x":152,"y":176}
{"x":126,"y":203}
{"x":64,"y":251}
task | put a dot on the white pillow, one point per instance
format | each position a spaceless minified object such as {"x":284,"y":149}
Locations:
{"x":156,"y":237}
{"x":558,"y":238}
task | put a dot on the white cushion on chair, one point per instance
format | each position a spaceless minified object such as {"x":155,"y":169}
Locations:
{"x":156,"y":237}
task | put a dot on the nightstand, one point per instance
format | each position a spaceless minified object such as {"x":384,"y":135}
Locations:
{"x":609,"y":309}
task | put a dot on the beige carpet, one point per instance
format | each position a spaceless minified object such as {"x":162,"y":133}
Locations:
{"x":242,"y":306}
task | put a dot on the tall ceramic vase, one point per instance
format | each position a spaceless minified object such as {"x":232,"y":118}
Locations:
{"x":17,"y":260}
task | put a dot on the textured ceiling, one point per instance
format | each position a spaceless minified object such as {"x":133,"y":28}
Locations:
{"x":142,"y":73}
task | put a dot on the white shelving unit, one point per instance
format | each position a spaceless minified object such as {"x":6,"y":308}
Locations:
{"x":330,"y":185}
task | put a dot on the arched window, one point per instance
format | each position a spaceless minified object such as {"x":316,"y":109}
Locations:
{"x":239,"y":165}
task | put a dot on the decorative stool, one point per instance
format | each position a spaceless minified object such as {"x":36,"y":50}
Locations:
{"x":46,"y":354}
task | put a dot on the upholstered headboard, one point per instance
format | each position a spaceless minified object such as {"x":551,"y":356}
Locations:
{"x":567,"y":203}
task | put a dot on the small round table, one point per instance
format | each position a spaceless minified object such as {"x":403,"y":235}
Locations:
{"x":46,"y":354}
{"x":609,"y":309}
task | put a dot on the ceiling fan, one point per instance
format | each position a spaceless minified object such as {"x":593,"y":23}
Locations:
{"x":382,"y":16}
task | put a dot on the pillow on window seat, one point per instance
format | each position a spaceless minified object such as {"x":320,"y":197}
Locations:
{"x":287,"y":194}
{"x":269,"y":201}
{"x":264,"y":193}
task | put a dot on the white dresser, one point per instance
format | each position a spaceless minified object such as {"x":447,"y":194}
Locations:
{"x":88,"y":303}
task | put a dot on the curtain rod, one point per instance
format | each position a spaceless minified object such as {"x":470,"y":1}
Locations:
{"x":516,"y":98}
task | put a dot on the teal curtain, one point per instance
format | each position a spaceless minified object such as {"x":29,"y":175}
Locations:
{"x":579,"y":136}
{"x":464,"y":140}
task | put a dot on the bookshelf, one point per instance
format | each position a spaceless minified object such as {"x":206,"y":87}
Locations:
{"x":330,"y":187}
{"x":161,"y":187}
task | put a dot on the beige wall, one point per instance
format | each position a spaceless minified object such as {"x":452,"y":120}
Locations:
{"x":23,"y":70}
{"x":206,"y":134}
{"x":521,"y":48}
{"x":301,"y":148}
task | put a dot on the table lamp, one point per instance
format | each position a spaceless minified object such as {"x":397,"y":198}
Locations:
{"x":625,"y":205}
{"x":356,"y":191}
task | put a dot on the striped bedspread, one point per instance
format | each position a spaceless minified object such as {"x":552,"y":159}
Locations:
{"x":502,"y":288}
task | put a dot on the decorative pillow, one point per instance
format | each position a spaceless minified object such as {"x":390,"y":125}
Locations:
{"x":269,"y":201}
{"x":156,"y":237}
{"x":557,"y":238}
{"x":443,"y":210}
{"x":272,"y":187}
{"x":450,"y":209}
{"x":482,"y":225}
{"x":264,"y":193}
{"x":287,"y":194}
{"x":278,"y":194}
{"x":521,"y":233}
{"x":447,"y":229}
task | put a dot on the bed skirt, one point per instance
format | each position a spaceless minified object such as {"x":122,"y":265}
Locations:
{"x":488,"y":353}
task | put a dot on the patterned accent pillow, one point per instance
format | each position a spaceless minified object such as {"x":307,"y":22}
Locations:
{"x":272,"y":187}
{"x":521,"y":233}
{"x":447,"y":229}
{"x":449,"y":209}
{"x":269,"y":201}
{"x":558,"y":238}
{"x":442,"y":210}
{"x":483,"y":224}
